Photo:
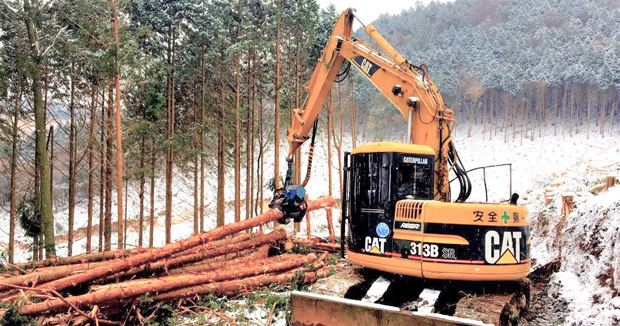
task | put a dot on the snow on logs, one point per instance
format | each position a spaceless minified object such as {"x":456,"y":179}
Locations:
{"x":225,"y":261}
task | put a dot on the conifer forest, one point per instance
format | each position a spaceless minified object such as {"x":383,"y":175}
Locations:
{"x":151,"y":134}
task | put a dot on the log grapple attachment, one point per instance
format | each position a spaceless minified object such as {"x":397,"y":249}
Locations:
{"x":291,"y":201}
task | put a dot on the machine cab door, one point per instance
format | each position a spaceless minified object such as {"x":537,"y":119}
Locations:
{"x":370,"y":198}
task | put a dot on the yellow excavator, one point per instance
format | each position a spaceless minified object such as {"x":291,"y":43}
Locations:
{"x":397,"y":196}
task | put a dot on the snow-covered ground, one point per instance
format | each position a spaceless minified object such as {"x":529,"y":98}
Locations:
{"x":588,"y":240}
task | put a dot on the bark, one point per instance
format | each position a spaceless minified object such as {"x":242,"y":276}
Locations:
{"x":221,"y":156}
{"x":202,"y":142}
{"x":276,"y":155}
{"x":44,"y":275}
{"x":251,"y":284}
{"x":170,"y":132}
{"x":260,"y":253}
{"x":119,"y":142}
{"x":243,"y":236}
{"x":91,"y":162}
{"x":91,"y":257}
{"x":330,"y":113}
{"x":108,"y":176}
{"x":13,"y":204}
{"x":35,"y":69}
{"x":102,"y":169}
{"x":248,"y":165}
{"x":210,"y":253}
{"x":152,"y":195}
{"x":317,"y":244}
{"x":170,"y":249}
{"x":168,"y":283}
{"x":237,"y":140}
{"x":338,"y":142}
{"x":330,"y":224}
{"x":50,"y":144}
{"x":141,"y":194}
{"x":72,"y":165}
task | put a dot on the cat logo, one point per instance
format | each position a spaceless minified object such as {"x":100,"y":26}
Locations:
{"x":375,"y":245}
{"x":366,"y":65}
{"x":502,"y":249}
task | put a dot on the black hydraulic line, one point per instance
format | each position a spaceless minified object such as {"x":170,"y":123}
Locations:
{"x":345,"y":202}
{"x":310,"y":154}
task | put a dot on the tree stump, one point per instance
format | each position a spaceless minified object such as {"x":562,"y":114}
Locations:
{"x":567,"y":205}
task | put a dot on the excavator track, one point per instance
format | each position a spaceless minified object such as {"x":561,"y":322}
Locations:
{"x":419,"y":301}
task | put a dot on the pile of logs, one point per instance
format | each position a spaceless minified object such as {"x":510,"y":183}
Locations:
{"x":93,"y":288}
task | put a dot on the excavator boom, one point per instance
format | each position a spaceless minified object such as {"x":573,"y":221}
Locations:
{"x":408,"y":87}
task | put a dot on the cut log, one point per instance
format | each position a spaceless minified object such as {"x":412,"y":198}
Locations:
{"x":80,"y":259}
{"x":233,"y":288}
{"x":167,"y":283}
{"x":330,"y":225}
{"x":48,"y":274}
{"x":228,"y":266}
{"x":165,"y":264}
{"x":316,"y":244}
{"x":208,"y":246}
{"x":173,"y":248}
{"x":260,"y":253}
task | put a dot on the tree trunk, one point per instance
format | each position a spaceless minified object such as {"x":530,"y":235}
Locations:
{"x":170,"y":133}
{"x":248,"y":146}
{"x":47,"y":217}
{"x":602,"y":114}
{"x":119,"y":142}
{"x":108,"y":175}
{"x":72,"y":165}
{"x":195,"y":146}
{"x":152,"y":195}
{"x":13,"y":204}
{"x":276,"y":155}
{"x":203,"y":105}
{"x":237,"y":157}
{"x":91,"y":167}
{"x":262,"y":151}
{"x":50,"y":148}
{"x":102,"y":172}
{"x":221,"y":156}
{"x":338,"y":144}
{"x":141,"y":194}
{"x":588,"y":109}
{"x":330,"y":113}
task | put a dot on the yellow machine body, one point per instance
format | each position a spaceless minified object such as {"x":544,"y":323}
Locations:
{"x":396,"y":226}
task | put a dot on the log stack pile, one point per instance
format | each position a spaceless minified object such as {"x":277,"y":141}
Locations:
{"x":94,"y":288}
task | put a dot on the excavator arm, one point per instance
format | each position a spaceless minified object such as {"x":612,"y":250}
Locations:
{"x":407,"y":86}
{"x":398,"y":80}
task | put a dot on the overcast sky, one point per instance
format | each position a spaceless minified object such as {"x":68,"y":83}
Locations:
{"x":369,"y":10}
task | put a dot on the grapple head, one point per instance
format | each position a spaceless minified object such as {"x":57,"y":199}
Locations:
{"x":291,"y":201}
